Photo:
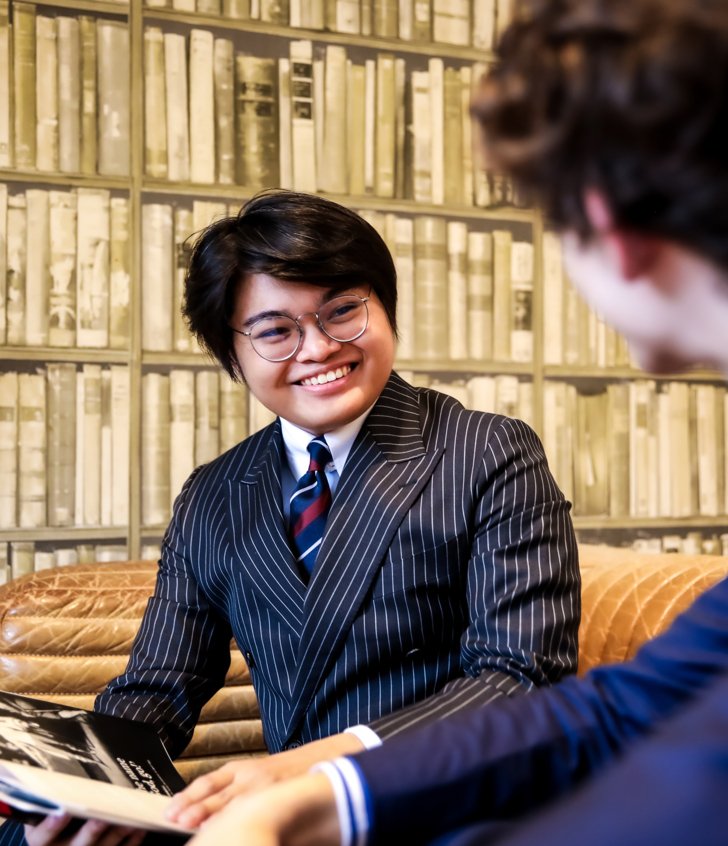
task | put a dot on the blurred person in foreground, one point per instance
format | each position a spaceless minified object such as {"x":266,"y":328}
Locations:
{"x":614,"y":114}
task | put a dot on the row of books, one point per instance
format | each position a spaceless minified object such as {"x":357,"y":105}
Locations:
{"x":639,"y":449}
{"x":475,"y":23}
{"x":20,"y":558}
{"x":463,"y":293}
{"x":64,"y":92}
{"x":313,"y":120}
{"x":64,"y":268}
{"x":573,"y":335}
{"x":690,"y":543}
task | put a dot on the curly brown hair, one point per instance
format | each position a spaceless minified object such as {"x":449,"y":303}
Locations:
{"x":626,"y":96}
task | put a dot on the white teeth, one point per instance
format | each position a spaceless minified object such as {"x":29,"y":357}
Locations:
{"x":329,"y":376}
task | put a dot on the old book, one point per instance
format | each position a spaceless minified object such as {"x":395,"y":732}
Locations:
{"x":355,"y":126}
{"x":591,"y":482}
{"x":640,"y":417}
{"x":120,"y":274}
{"x":69,"y":95}
{"x":482,"y":187}
{"x":224,"y":79}
{"x":400,"y":128}
{"x":457,"y":389}
{"x":61,"y":401}
{"x":310,"y":14}
{"x":58,"y":759}
{"x":256,"y":115}
{"x":62,"y":296}
{"x":343,"y":16}
{"x":92,"y":268}
{"x":156,"y":465}
{"x":303,"y":139}
{"x":21,"y":558}
{"x":16,"y":264}
{"x":91,"y":374}
{"x":6,"y":128}
{"x":237,"y":10}
{"x":385,"y":126}
{"x":258,"y":415}
{"x":521,"y":301}
{"x":183,"y":229}
{"x":113,"y":97}
{"x":679,"y":393}
{"x":480,"y":296}
{"x":155,"y":104}
{"x":178,"y":126}
{"x":481,"y":393}
{"x":80,"y":447}
{"x":370,"y":127}
{"x":405,"y":20}
{"x":46,"y":93}
{"x":457,"y":289}
{"x":618,"y":444}
{"x":5,"y":573}
{"x":233,"y":413}
{"x":8,"y":449}
{"x":559,"y":414}
{"x":422,"y":27}
{"x":453,"y":181}
{"x":157,"y":276}
{"x":664,"y":448}
{"x":32,"y":450}
{"x":484,"y":24}
{"x":333,"y":178}
{"x":451,"y":21}
{"x":207,"y":416}
{"x":105,"y":462}
{"x":466,"y":145}
{"x":318,"y":70}
{"x":502,"y":310}
{"x":275,"y":11}
{"x":385,"y":23}
{"x":436,"y":70}
{"x":503,"y":16}
{"x":205,"y":212}
{"x":89,"y":141}
{"x":431,"y":324}
{"x":37,"y":280}
{"x":285,"y":154}
{"x":507,"y":395}
{"x":202,"y":107}
{"x":553,"y":298}
{"x":421,"y":138}
{"x":208,"y":7}
{"x":181,"y":428}
{"x":3,"y":259}
{"x":24,"y":85}
{"x":119,"y":402}
{"x":708,"y":436}
{"x":404,"y":260}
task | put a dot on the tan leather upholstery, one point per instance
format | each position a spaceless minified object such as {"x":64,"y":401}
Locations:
{"x":65,"y":632}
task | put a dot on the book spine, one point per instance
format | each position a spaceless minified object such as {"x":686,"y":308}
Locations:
{"x":113,"y":98}
{"x":521,"y":301}
{"x":333,"y":178}
{"x":257,"y":121}
{"x":155,"y":449}
{"x":32,"y":450}
{"x":183,"y":228}
{"x":89,"y":140}
{"x":430,"y":253}
{"x":6,"y":126}
{"x":457,"y":289}
{"x":92,"y":268}
{"x":207,"y":416}
{"x":155,"y":104}
{"x":120,"y":397}
{"x":46,"y":93}
{"x":385,"y":126}
{"x":24,"y":85}
{"x":178,"y":129}
{"x":181,"y":428}
{"x":404,"y":262}
{"x":233,"y":413}
{"x":3,"y":260}
{"x":8,"y":449}
{"x":16,"y":266}
{"x":451,"y":21}
{"x":502,"y":312}
{"x":453,"y":144}
{"x":355,"y":122}
{"x":120,"y":274}
{"x":437,"y":127}
{"x":92,"y":444}
{"x":69,"y":95}
{"x":37,"y":280}
{"x":157,"y":276}
{"x":62,"y":296}
{"x":61,"y":397}
{"x":202,"y":107}
{"x":224,"y":78}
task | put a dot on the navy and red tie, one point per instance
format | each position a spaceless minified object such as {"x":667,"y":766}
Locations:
{"x":310,"y":503}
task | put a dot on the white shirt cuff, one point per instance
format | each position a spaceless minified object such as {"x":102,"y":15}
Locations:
{"x":338,"y":785}
{"x":368,"y":736}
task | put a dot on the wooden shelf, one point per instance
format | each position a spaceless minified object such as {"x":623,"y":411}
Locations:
{"x":570,"y":373}
{"x":671,"y":524}
{"x":77,"y":534}
{"x":64,"y":180}
{"x":75,"y":354}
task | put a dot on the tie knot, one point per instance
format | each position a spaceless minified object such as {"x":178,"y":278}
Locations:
{"x":320,"y":455}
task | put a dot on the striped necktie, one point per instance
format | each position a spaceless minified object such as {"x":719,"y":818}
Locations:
{"x":310,"y":506}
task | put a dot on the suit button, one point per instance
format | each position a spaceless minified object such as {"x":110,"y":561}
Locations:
{"x":294,"y":744}
{"x":249,"y":659}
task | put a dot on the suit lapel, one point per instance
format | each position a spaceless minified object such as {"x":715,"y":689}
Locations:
{"x":384,"y":474}
{"x":258,"y":534}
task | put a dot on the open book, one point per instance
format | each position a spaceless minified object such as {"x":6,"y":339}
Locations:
{"x":56,"y":759}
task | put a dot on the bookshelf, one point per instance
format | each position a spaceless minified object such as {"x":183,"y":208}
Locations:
{"x":103,"y":175}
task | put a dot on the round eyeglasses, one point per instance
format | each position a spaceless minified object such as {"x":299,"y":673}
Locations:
{"x":279,"y":337}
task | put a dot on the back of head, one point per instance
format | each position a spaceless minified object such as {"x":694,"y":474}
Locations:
{"x":626,"y":96}
{"x":293,"y":237}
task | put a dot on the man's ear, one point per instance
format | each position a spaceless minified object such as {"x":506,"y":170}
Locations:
{"x":633,"y":252}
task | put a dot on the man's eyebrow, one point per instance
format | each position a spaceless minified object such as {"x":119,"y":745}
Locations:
{"x":261,"y":315}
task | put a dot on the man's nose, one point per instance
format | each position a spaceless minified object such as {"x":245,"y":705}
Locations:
{"x":316,"y":345}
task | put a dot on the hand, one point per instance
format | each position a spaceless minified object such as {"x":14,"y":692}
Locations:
{"x":298,"y":812}
{"x":51,"y":832}
{"x":209,"y":793}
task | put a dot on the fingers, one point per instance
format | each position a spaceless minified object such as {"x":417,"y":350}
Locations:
{"x":52,"y":831}
{"x":199,"y":790}
{"x":195,"y":814}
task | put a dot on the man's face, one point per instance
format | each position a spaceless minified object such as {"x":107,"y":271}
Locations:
{"x":360,"y":368}
{"x":646,"y":314}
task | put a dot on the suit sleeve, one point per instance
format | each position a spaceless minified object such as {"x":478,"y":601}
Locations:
{"x":523,"y":585}
{"x":501,"y":762}
{"x":182,"y":651}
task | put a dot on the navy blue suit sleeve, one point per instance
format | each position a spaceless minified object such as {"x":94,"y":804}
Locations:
{"x":522,"y":584}
{"x":182,"y":651}
{"x":499,"y":762}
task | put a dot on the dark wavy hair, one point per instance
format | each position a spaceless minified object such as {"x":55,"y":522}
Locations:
{"x":299,"y":238}
{"x":626,"y":96}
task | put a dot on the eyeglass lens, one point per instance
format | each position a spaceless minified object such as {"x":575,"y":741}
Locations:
{"x":277,"y":338}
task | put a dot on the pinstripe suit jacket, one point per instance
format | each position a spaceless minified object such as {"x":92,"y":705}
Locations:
{"x":448,"y":574}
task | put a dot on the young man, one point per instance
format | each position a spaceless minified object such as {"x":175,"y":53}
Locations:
{"x":614,"y":113}
{"x":425,"y":559}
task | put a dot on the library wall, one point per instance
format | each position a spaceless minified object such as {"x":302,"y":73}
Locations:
{"x":126,"y":128}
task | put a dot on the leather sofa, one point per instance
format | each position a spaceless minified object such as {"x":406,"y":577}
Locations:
{"x":65,"y":632}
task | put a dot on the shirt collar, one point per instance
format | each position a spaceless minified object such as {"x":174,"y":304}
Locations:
{"x":340,"y":442}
